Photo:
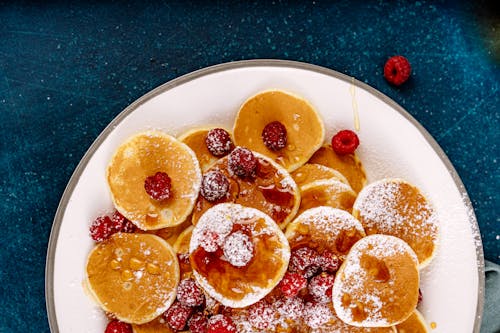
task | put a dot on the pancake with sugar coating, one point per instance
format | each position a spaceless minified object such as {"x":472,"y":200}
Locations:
{"x":142,"y":156}
{"x":310,"y":172}
{"x":238,"y":254}
{"x":377,"y":285}
{"x":304,"y":127}
{"x":195,"y":139}
{"x":398,"y":208}
{"x":133,"y":276}
{"x":331,"y":192}
{"x":414,"y":324}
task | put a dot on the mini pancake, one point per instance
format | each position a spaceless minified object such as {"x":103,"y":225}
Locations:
{"x":195,"y":139}
{"x":349,"y":165}
{"x":310,"y":172}
{"x":144,"y":155}
{"x":171,"y":234}
{"x":414,"y":324}
{"x":181,"y":247}
{"x":272,"y":191}
{"x":325,"y":228}
{"x":305,"y":130}
{"x":338,"y":326}
{"x":377,"y":285}
{"x":398,"y":208}
{"x":238,"y":254}
{"x":156,"y":326}
{"x":331,"y":192}
{"x":133,"y":276}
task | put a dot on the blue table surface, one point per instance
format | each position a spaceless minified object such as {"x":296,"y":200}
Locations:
{"x":67,"y":70}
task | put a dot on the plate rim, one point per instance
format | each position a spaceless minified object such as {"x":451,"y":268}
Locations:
{"x":68,"y":191}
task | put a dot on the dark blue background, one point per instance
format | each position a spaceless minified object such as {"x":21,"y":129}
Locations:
{"x":67,"y":70}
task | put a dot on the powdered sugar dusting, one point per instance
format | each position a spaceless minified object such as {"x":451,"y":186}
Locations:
{"x":238,"y":249}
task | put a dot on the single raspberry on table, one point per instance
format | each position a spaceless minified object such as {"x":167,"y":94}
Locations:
{"x":242,"y":162}
{"x":218,"y":142}
{"x":198,"y":323}
{"x":292,"y":284}
{"x":121,"y":223}
{"x":214,"y":186}
{"x":177,"y":316}
{"x":220,"y":324}
{"x":345,"y":142}
{"x":397,"y":70}
{"x":158,"y":186}
{"x":189,"y":294}
{"x":274,"y":136}
{"x":117,"y":326}
{"x":101,"y":228}
{"x":320,"y":287}
{"x":261,"y":315}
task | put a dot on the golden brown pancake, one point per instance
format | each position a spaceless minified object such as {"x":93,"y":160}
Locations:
{"x":195,"y":139}
{"x":310,"y":172}
{"x":272,"y":191}
{"x":171,"y":234}
{"x":156,"y":326}
{"x":331,"y":192}
{"x":305,"y":130}
{"x":395,"y":207}
{"x":325,"y":228}
{"x":377,"y":285}
{"x":141,"y":156}
{"x":338,"y":326}
{"x":349,"y":165}
{"x":414,"y":324}
{"x":133,"y":276}
{"x":238,"y":254}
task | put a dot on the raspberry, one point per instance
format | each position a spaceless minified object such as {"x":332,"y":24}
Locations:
{"x":345,"y":142}
{"x":328,"y":262}
{"x":189,"y":294}
{"x":261,"y":315}
{"x":102,"y":228}
{"x":238,"y":249}
{"x":397,"y":70}
{"x":316,"y":314}
{"x":121,"y":223}
{"x":218,"y":142}
{"x":214,"y":186}
{"x":274,"y":136}
{"x":320,"y":287}
{"x":209,"y":241}
{"x":198,"y":323}
{"x":158,"y":187}
{"x":292,"y":283}
{"x":242,"y":162}
{"x":303,"y":258}
{"x":177,"y":315}
{"x":117,"y":326}
{"x":220,"y":324}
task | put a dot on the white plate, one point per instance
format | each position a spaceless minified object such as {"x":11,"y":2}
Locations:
{"x":393,"y":144}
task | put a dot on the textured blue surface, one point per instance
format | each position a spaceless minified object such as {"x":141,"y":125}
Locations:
{"x":67,"y":70}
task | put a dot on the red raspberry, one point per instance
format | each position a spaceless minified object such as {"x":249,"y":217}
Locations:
{"x":303,"y":258}
{"x":221,"y":324}
{"x":320,"y":287}
{"x":102,"y":228}
{"x":219,"y":142}
{"x":261,"y":315}
{"x":328,"y":262}
{"x":177,"y":315}
{"x":292,"y":283}
{"x":158,"y":186}
{"x":209,"y":241}
{"x":274,"y":136}
{"x":345,"y":142}
{"x":198,"y":323}
{"x":242,"y":162}
{"x":214,"y":186}
{"x":397,"y":70}
{"x":121,"y":223}
{"x":189,"y":294}
{"x":117,"y":326}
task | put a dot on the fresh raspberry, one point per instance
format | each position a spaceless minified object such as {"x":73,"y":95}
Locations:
{"x":121,"y":223}
{"x":274,"y":136}
{"x":397,"y":70}
{"x":320,"y":287}
{"x":345,"y":142}
{"x":261,"y":315}
{"x":328,"y":262}
{"x":221,"y":324}
{"x":102,"y":228}
{"x":420,"y":296}
{"x":302,"y":258}
{"x":316,"y":314}
{"x":242,"y":162}
{"x":198,"y":323}
{"x":209,"y":241}
{"x":189,"y":294}
{"x":238,"y":249}
{"x":117,"y":326}
{"x":219,"y":142}
{"x":290,"y":307}
{"x":177,"y":316}
{"x":158,"y":186}
{"x":214,"y":186}
{"x":292,"y":283}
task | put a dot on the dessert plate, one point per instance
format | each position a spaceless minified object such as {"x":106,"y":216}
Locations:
{"x":393,"y":144}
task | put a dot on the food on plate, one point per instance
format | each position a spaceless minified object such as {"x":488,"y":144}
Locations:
{"x":331,"y":192}
{"x":311,"y":172}
{"x":414,"y":324}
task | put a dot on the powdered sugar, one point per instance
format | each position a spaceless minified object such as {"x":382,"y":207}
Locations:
{"x":238,"y":249}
